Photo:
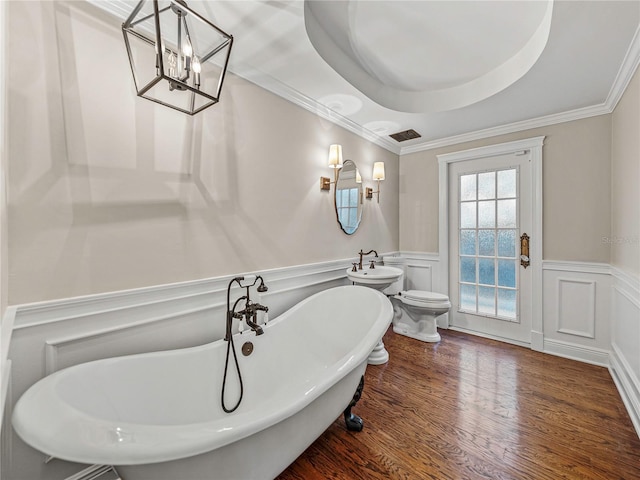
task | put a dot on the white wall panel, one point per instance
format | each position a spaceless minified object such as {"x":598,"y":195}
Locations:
{"x":625,"y":341}
{"x":576,"y":310}
{"x":576,"y":307}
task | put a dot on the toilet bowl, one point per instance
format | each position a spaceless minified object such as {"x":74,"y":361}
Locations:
{"x":415,"y":312}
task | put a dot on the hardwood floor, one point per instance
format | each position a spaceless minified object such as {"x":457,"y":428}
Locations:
{"x":472,"y":408}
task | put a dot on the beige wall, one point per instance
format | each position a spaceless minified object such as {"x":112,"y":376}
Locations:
{"x":576,"y":190}
{"x":4,"y":270}
{"x":625,"y":180}
{"x":109,"y":192}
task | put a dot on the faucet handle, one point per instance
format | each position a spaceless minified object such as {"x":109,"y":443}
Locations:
{"x":355,"y":267}
{"x":372,"y":265}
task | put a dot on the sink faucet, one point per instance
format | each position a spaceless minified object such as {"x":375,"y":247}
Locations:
{"x":362,"y":254}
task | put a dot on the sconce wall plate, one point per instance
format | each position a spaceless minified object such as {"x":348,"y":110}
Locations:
{"x":325,"y":183}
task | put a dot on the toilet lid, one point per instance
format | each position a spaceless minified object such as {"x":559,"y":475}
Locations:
{"x":422,"y":296}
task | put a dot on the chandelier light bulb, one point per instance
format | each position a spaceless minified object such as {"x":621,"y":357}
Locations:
{"x":187,"y":49}
{"x":197,"y":68}
{"x":172,"y":65}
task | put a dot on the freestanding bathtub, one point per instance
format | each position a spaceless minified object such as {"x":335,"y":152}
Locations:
{"x":158,"y":416}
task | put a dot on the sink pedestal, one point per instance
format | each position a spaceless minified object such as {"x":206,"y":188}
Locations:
{"x":379,"y":278}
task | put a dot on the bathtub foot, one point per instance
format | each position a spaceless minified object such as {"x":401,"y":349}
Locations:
{"x":354,"y":423}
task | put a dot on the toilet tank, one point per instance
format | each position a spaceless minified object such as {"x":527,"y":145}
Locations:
{"x":398,"y":285}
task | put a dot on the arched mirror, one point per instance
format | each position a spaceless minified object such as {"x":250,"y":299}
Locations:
{"x":348,"y":197}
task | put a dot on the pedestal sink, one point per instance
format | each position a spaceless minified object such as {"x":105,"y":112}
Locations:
{"x":379,"y":278}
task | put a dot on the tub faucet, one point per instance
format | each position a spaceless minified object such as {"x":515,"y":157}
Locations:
{"x":251,"y":309}
{"x":250,"y":314}
{"x":362,"y":254}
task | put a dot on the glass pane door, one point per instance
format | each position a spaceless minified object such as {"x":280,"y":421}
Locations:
{"x":488,"y":232}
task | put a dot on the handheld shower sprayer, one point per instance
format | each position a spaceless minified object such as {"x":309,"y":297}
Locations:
{"x":249,"y":312}
{"x":248,"y":281}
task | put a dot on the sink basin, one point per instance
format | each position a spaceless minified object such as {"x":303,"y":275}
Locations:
{"x":379,"y":278}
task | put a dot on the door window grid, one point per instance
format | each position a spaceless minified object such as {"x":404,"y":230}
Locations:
{"x":488,"y":233}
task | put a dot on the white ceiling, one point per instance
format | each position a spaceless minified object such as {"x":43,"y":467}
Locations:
{"x":446,"y":55}
{"x":592,"y":50}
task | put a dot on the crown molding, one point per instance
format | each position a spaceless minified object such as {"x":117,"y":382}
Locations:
{"x":286,"y":92}
{"x":509,"y":128}
{"x":626,"y":72}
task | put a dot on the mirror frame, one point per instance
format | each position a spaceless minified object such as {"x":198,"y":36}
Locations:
{"x":346,"y":229}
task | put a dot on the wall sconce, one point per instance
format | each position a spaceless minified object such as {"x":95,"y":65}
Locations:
{"x":169,"y":47}
{"x":335,"y":162}
{"x":378,"y":175}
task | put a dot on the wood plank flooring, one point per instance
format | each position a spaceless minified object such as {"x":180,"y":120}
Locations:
{"x":472,"y":408}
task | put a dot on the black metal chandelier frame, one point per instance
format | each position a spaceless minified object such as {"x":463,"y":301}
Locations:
{"x":182,"y":10}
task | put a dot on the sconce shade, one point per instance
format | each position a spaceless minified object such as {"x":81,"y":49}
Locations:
{"x":378,"y":171}
{"x":178,"y":58}
{"x":335,"y":156}
{"x":358,"y":176}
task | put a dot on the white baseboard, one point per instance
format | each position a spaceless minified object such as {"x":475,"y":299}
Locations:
{"x":537,"y":341}
{"x":627,"y":384}
{"x":573,"y":351}
{"x":490,"y":337}
{"x":625,"y":340}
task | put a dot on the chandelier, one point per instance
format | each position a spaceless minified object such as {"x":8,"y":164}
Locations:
{"x":178,"y":58}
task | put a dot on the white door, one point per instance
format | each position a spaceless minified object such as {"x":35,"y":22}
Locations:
{"x":490,"y":208}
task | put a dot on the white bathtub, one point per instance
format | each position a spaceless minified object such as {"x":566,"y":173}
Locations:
{"x":158,"y":415}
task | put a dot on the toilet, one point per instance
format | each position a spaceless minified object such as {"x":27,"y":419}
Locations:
{"x":415,"y":312}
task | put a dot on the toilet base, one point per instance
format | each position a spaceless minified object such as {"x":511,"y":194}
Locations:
{"x":422,"y":336}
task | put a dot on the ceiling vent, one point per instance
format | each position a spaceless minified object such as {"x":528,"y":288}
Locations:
{"x":406,"y":135}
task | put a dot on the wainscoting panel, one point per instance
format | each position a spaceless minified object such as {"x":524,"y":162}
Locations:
{"x":420,"y":277}
{"x":49,"y":336}
{"x":625,"y":341}
{"x":576,"y":309}
{"x":423,"y":272}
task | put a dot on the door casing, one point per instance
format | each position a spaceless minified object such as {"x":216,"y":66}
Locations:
{"x":533,"y":144}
